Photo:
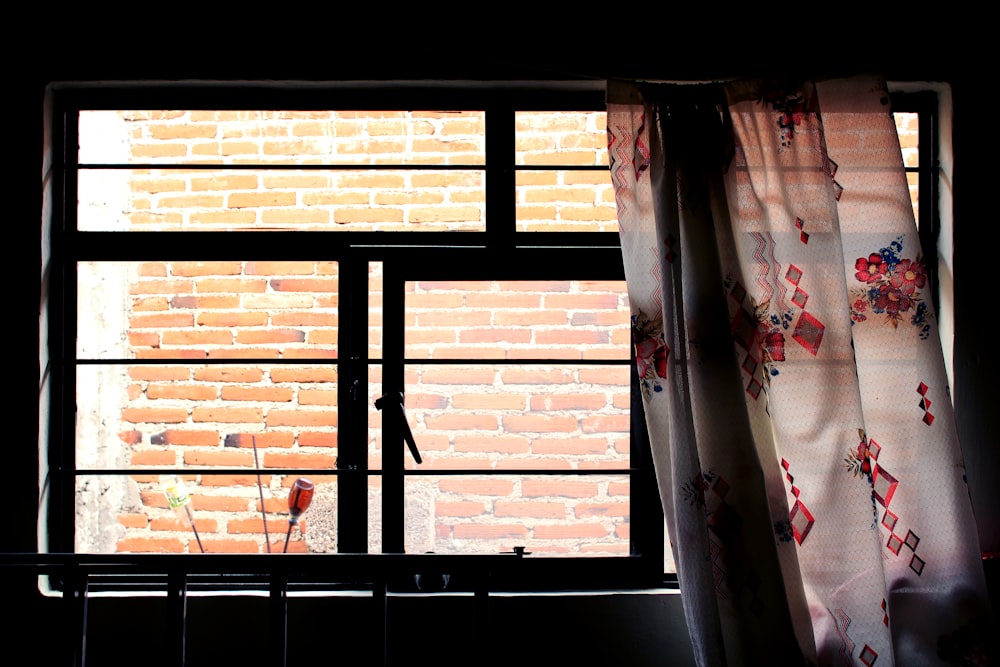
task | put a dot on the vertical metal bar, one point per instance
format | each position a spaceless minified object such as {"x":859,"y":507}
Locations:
{"x":393,"y":353}
{"x":380,"y":615}
{"x":75,"y":594}
{"x":278,"y":611}
{"x":501,"y":194}
{"x":177,"y":616}
{"x":352,"y":399}
{"x":483,"y":621}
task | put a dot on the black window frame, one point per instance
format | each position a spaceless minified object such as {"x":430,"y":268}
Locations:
{"x":499,"y":252}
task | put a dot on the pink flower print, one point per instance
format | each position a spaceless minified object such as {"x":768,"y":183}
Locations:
{"x":651,"y":358}
{"x":908,"y":276}
{"x":871,"y":269}
{"x":892,"y":301}
{"x":774,"y":342}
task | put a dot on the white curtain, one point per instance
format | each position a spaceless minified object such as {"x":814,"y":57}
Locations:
{"x":793,"y":379}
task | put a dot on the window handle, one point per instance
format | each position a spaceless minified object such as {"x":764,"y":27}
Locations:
{"x":397,"y":399}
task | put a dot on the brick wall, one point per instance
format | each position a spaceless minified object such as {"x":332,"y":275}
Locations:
{"x":276,"y":417}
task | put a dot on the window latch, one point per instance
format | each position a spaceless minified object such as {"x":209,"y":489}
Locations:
{"x":397,"y":399}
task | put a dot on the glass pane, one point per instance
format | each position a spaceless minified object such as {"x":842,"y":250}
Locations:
{"x":565,"y":201}
{"x":262,"y":200}
{"x":245,"y":416}
{"x":207,"y":310}
{"x":545,"y":319}
{"x":201,"y":513}
{"x":282,"y":137}
{"x":475,"y":416}
{"x":561,"y":138}
{"x":549,"y":515}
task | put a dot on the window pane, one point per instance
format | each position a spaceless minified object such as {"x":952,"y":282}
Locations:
{"x":550,"y":515}
{"x":561,"y":138}
{"x":206,"y":415}
{"x":475,"y":416}
{"x":210,"y":514}
{"x":207,"y":310}
{"x":567,"y":319}
{"x":281,"y":137}
{"x":565,"y":201}
{"x":262,"y":200}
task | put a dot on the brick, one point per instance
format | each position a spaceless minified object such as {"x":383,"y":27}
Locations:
{"x":266,"y":439}
{"x":569,"y":446}
{"x":229,"y":546}
{"x":459,"y":509}
{"x":606,"y":423}
{"x":306,"y":318}
{"x":268,"y":394}
{"x":367,"y":214}
{"x":567,"y":402}
{"x":221,"y":503}
{"x":244,"y":353}
{"x":267,"y":336}
{"x":578,"y":531}
{"x":532,"y":510}
{"x":183,"y":131}
{"x":466,"y":531}
{"x":206,"y":302}
{"x":531,"y":376}
{"x":225,"y":183}
{"x":317,"y":439}
{"x":271,"y":268}
{"x":299,"y":460}
{"x":326,"y":374}
{"x":446,"y":213}
{"x":239,"y":217}
{"x":584,"y":510}
{"x":172,"y":523}
{"x":143,"y":339}
{"x":191,"y":438}
{"x":304,"y":284}
{"x":477,"y":487}
{"x":237,"y":526}
{"x":261,"y":199}
{"x":248,"y":480}
{"x":155,"y":415}
{"x":539,"y":423}
{"x":228,"y":415}
{"x":155,"y":457}
{"x":185,"y":392}
{"x":224,"y":459}
{"x":462,"y":422}
{"x":150,"y":545}
{"x":318,"y":397}
{"x":134,"y":520}
{"x":499,"y":444}
{"x":301,"y":418}
{"x":532,"y":488}
{"x":161,"y":320}
{"x":210,"y":337}
{"x":232,"y":319}
{"x":231,"y":286}
{"x":488,"y":402}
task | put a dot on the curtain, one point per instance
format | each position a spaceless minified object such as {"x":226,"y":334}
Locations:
{"x":792,"y":376}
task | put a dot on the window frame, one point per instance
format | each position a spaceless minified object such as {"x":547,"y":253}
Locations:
{"x":498,"y":252}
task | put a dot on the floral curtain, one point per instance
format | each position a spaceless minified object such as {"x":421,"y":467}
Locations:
{"x":792,"y":375}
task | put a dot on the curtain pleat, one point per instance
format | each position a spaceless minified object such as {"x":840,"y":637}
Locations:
{"x":792,"y":377}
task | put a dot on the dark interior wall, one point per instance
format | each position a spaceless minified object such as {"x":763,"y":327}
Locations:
{"x":625,"y":630}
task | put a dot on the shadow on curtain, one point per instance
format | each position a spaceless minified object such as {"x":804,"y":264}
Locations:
{"x":792,"y":376}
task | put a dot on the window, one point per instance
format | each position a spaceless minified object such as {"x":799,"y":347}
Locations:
{"x":410,"y":299}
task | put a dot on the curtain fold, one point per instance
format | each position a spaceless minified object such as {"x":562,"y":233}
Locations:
{"x":792,"y":377}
